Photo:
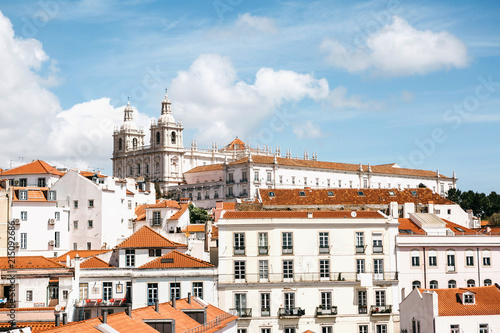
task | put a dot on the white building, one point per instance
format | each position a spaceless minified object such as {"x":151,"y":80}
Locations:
{"x":101,"y":208}
{"x":453,"y":310}
{"x":323,"y":271}
{"x":35,"y":174}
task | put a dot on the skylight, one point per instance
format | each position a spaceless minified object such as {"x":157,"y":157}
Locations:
{"x":414,"y":193}
{"x":460,"y":229}
{"x":392,"y":194}
{"x":360,"y":193}
{"x":271,"y":194}
{"x":302,"y":193}
{"x":330,"y":193}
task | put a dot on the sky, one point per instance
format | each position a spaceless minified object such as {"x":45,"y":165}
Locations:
{"x":406,"y":82}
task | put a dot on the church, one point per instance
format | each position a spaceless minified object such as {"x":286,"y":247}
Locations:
{"x":238,"y":171}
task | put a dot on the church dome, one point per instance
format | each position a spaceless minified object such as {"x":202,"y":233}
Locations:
{"x":128,"y":121}
{"x":166,"y":118}
{"x":166,"y":111}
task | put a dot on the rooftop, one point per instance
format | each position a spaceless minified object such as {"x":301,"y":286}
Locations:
{"x":29,"y":262}
{"x":145,"y":238}
{"x":35,"y":167}
{"x":301,"y":215}
{"x":176,"y":259}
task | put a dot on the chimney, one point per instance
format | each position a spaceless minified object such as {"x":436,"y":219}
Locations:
{"x":58,"y":319}
{"x":65,"y":318}
{"x":13,"y":324}
{"x":129,"y":309}
{"x":104,"y":316}
{"x":309,"y":215}
{"x":157,"y":306}
{"x":189,"y":298}
{"x":173,"y":302}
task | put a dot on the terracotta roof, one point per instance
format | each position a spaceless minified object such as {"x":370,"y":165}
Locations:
{"x":194,"y":228}
{"x":35,"y":167}
{"x":145,"y":238}
{"x":391,"y":169}
{"x":176,"y":260}
{"x":140,"y":212}
{"x":215,"y":232}
{"x":300,"y":215}
{"x":487,"y":301}
{"x":81,"y":253}
{"x":94,"y":262}
{"x":407,"y":224}
{"x":29,"y":262}
{"x":236,"y":144}
{"x":180,"y":212}
{"x":34,"y":194}
{"x":229,"y":205}
{"x":129,"y":192}
{"x":203,"y":168}
{"x":38,"y":326}
{"x":316,"y":197}
{"x":453,"y":227}
{"x":91,"y":174}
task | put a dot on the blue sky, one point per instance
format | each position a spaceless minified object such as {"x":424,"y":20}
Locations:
{"x":375,"y":82}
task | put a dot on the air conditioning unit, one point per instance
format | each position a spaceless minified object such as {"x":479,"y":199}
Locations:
{"x":17,"y":221}
{"x":16,"y":244}
{"x":52,"y":221}
{"x":51,"y":243}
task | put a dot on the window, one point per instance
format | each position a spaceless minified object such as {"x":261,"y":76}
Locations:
{"x":172,"y":136}
{"x":433,"y":258}
{"x":75,"y":204}
{"x":289,"y":330}
{"x":324,"y":268}
{"x":360,"y":242}
{"x":483,"y":328}
{"x":281,"y":179}
{"x":450,"y":260}
{"x":415,"y":284}
{"x":157,"y":218}
{"x":52,"y":195}
{"x":239,"y":243}
{"x":326,"y":329}
{"x":89,"y":246}
{"x":175,"y":290}
{"x":377,"y":243}
{"x":152,"y":293}
{"x":361,"y":194}
{"x":302,"y":194}
{"x":29,"y":295}
{"x":468,"y":298}
{"x":360,"y":266}
{"x":24,"y":216}
{"x":265,"y":304}
{"x":324,"y":245}
{"x":287,"y":269}
{"x":326,"y":300}
{"x":241,"y":330}
{"x":433,"y":284}
{"x":263,"y":247}
{"x":147,"y":168}
{"x":84,"y":291}
{"x":455,"y":328}
{"x":378,"y":269}
{"x":452,"y":284}
{"x":75,"y":224}
{"x":471,"y":283}
{"x":75,"y":246}
{"x":380,"y":297}
{"x":263,"y":269}
{"x":244,"y":176}
{"x":240,"y":301}
{"x":256,"y":176}
{"x":53,"y":291}
{"x":230,"y":178}
{"x":305,"y":180}
{"x":287,"y":243}
{"x":415,"y":258}
{"x":328,"y":182}
{"x":23,"y":182}
{"x":330,"y":193}
{"x":469,"y":258}
{"x":269,"y":176}
{"x":57,"y":216}
{"x":91,"y":203}
{"x":198,"y":289}
{"x":363,"y":329}
{"x":486,"y":258}
{"x":265,"y":330}
{"x":157,"y":137}
{"x":362,"y":302}
{"x":317,"y":181}
{"x":129,"y":258}
{"x":293,"y":180}
{"x":90,"y":224}
{"x":130,"y":204}
{"x":24,"y":240}
{"x":57,"y":239}
{"x":381,"y":328}
{"x":239,"y":270}
{"x":154,"y":252}
{"x":487,"y":282}
{"x":107,"y":290}
{"x":65,"y":295}
{"x":289,"y":300}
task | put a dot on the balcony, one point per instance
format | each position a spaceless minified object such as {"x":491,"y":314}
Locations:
{"x":239,"y":250}
{"x":241,"y":312}
{"x":263,"y":250}
{"x":360,"y":249}
{"x":381,"y":310}
{"x":326,"y":311}
{"x":287,"y":250}
{"x":244,"y":180}
{"x":378,"y":249}
{"x":265,"y":312}
{"x":291,"y":312}
{"x":362,"y":309}
{"x":324,"y":249}
{"x":230,"y":181}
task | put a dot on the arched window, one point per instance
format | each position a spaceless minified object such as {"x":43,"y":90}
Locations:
{"x":469,"y":258}
{"x":486,"y":258}
{"x":450,"y":260}
{"x":452,"y":284}
{"x":138,"y":168}
{"x":487,"y":282}
{"x":433,"y":258}
{"x":157,"y":137}
{"x":119,"y":172}
{"x":433,"y":284}
{"x":471,"y":283}
{"x":415,"y":284}
{"x":415,"y":258}
{"x":157,"y":167}
{"x":173,"y":137}
{"x":120,"y":144}
{"x":134,"y":143}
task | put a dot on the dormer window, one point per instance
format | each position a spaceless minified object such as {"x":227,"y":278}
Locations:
{"x":271,"y":194}
{"x":302,"y":193}
{"x":330,"y":193}
{"x":52,"y":195}
{"x":361,"y":193}
{"x":469,"y":298}
{"x":23,"y":195}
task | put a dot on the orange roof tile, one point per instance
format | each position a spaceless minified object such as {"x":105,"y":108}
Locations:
{"x":487,"y":301}
{"x":180,"y":212}
{"x":129,"y":192}
{"x":81,"y":253}
{"x":145,"y":238}
{"x":317,"y":197}
{"x":194,"y":228}
{"x":376,"y":169}
{"x":28,"y":262}
{"x":176,"y":260}
{"x":38,"y":194}
{"x":236,"y":144}
{"x":215,"y":232}
{"x":91,"y":174}
{"x":39,"y":326}
{"x":300,"y":214}
{"x":35,"y":167}
{"x":94,"y":262}
{"x":203,"y":168}
{"x":229,"y":205}
{"x":140,"y":212}
{"x":453,"y":227}
{"x":407,"y":224}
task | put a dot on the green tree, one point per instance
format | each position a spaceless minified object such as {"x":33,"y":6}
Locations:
{"x":197,"y":215}
{"x":494,"y":219}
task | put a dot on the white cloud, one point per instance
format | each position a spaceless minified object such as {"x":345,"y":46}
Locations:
{"x":307,"y":130}
{"x":338,"y":99}
{"x":398,"y":49}
{"x":407,"y":96}
{"x":211,"y":99}
{"x":248,"y":22}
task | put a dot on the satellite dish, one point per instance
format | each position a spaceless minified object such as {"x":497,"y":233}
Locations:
{"x":57,"y":308}
{"x":353,"y":214}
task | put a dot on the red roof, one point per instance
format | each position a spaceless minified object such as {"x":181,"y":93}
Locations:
{"x":300,"y":215}
{"x":487,"y":301}
{"x":175,"y":259}
{"x":407,"y":224}
{"x":194,"y":228}
{"x":36,"y":326}
{"x":35,"y":167}
{"x":94,"y":262}
{"x":81,"y":253}
{"x":180,"y":212}
{"x":203,"y":168}
{"x":236,"y":144}
{"x":145,"y":238}
{"x":29,"y":262}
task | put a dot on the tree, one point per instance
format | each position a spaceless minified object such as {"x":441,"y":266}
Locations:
{"x":494,"y":219}
{"x":422,"y":185}
{"x":197,"y":215}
